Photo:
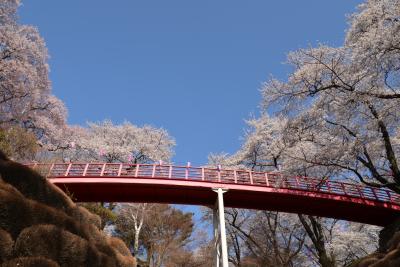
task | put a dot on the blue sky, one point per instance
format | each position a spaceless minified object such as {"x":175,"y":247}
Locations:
{"x":192,"y":67}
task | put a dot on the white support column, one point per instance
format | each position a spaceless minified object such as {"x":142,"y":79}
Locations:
{"x":217,"y":250}
{"x":221,"y":248}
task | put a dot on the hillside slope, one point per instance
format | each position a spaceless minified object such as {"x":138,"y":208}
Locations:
{"x":41,"y":226}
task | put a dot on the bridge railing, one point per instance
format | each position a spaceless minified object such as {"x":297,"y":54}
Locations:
{"x":217,"y":175}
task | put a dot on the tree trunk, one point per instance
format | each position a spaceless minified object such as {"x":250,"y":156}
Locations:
{"x":325,"y":260}
{"x":135,"y":250}
{"x":315,"y":233}
{"x":136,"y":243}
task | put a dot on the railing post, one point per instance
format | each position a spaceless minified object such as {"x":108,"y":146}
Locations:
{"x":137,"y":170}
{"x":389,"y":195}
{"x":374,"y":193}
{"x":266,"y":179}
{"x":297,"y":182}
{"x":102,"y":169}
{"x":313,"y":185}
{"x":119,"y":170}
{"x":50,"y":170}
{"x":359,"y":191}
{"x":251,"y":177}
{"x":235,"y":176}
{"x":170,"y":172}
{"x":219,"y":173}
{"x":221,"y":248}
{"x":187,"y":171}
{"x":286,"y":183}
{"x":307,"y":183}
{"x":85,"y":169}
{"x":344,"y":189}
{"x":68,"y":168}
{"x":202,"y":174}
{"x":328,"y":185}
{"x":153,"y":173}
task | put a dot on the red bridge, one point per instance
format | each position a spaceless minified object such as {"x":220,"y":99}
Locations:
{"x":120,"y":182}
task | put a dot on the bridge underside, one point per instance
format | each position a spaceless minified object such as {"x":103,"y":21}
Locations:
{"x":86,"y":189}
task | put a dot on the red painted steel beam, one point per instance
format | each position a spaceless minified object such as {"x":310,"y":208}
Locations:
{"x":157,"y":183}
{"x":182,"y":191}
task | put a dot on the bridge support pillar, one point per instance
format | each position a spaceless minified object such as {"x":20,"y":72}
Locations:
{"x":221,"y":248}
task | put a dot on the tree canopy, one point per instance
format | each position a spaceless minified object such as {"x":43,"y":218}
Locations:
{"x":26,"y":98}
{"x":338,"y":113}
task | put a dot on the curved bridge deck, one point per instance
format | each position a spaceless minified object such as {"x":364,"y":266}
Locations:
{"x":120,"y":182}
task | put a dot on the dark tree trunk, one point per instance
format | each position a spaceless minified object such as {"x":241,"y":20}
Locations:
{"x":315,"y":232}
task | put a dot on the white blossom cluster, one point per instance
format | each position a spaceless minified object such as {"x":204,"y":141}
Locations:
{"x":338,"y":113}
{"x":25,"y":90}
{"x":26,"y":100}
{"x":106,"y":142}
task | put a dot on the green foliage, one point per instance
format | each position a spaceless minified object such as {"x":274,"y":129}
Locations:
{"x":106,"y":214}
{"x":4,"y":144}
{"x":19,"y":144}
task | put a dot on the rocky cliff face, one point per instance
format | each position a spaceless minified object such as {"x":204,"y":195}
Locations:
{"x":41,"y":226}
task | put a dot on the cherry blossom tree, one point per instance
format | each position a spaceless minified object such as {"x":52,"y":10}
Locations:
{"x":337,"y":115}
{"x":343,"y":104}
{"x":262,"y":147}
{"x":104,"y":141}
{"x":349,"y":241}
{"x":264,"y":238}
{"x":26,"y":98}
{"x":281,"y":239}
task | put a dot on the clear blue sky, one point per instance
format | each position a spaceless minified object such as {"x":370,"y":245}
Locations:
{"x":192,"y":67}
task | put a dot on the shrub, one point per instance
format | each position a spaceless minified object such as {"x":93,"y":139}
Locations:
{"x":30,"y":262}
{"x":6,"y":245}
{"x":119,"y":246}
{"x":125,"y":261}
{"x":9,"y":188}
{"x":32,"y":185}
{"x":17,"y":213}
{"x":59,"y":245}
{"x":49,"y":229}
{"x":82,"y":215}
{"x":18,"y":143}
